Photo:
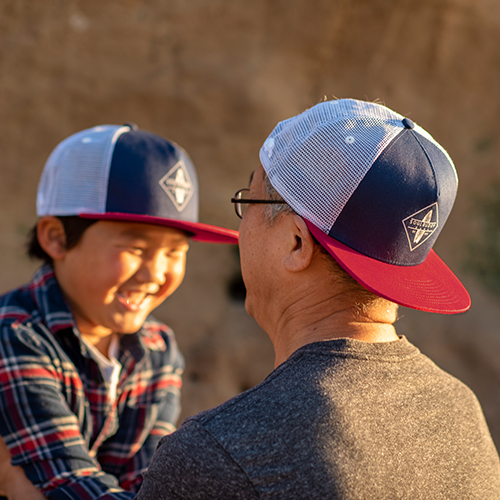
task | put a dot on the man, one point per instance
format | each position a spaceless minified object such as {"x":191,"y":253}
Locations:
{"x":339,"y":228}
{"x":90,"y":382}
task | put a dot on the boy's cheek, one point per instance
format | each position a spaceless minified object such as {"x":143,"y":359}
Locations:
{"x":179,"y":270}
{"x":165,"y":291}
{"x":116,"y":273}
{"x":173,"y":278}
{"x":123,"y":265}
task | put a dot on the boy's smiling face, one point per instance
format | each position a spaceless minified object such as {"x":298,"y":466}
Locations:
{"x":118,"y":273}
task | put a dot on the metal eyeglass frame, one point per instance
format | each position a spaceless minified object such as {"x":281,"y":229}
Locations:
{"x":238,"y":201}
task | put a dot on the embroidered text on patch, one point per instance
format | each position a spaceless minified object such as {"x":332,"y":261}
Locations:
{"x":420,"y":226}
{"x":177,"y":184}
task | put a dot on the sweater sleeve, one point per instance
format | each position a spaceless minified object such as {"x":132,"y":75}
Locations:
{"x":190,"y":464}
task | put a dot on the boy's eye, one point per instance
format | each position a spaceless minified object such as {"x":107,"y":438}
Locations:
{"x":136,"y":250}
{"x":174,"y":253}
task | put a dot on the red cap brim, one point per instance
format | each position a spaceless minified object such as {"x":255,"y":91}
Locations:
{"x":197,"y":230}
{"x":430,"y":286}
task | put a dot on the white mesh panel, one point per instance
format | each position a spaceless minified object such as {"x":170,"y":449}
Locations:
{"x":75,"y":177}
{"x":317,"y":159}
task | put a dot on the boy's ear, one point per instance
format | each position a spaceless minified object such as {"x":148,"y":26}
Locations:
{"x":52,"y":237}
{"x":301,"y":245}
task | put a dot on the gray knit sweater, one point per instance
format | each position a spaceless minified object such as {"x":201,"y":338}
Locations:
{"x":341,"y":419}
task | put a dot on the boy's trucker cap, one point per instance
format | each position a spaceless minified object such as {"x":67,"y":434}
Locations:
{"x":375,"y":190}
{"x":122,"y":173}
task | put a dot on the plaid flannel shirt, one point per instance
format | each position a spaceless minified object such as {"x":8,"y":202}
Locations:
{"x":55,"y":414}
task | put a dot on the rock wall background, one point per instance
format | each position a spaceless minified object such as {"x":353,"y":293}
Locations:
{"x":216,"y":77}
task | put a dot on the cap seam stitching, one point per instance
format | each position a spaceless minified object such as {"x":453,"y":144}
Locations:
{"x":429,"y":160}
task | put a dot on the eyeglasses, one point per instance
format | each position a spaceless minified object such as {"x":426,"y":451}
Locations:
{"x":241,"y":203}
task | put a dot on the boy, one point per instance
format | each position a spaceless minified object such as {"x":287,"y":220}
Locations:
{"x":89,"y":382}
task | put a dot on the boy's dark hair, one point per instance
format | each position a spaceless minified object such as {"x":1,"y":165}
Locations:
{"x":74,"y":227}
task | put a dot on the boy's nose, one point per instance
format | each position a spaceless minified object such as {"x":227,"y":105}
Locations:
{"x":154,"y":270}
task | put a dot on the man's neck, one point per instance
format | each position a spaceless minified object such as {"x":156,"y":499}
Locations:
{"x":296,"y":330}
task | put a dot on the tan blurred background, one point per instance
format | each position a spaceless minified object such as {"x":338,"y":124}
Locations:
{"x":216,"y":76}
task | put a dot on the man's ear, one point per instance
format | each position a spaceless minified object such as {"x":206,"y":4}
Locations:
{"x":300,"y":245}
{"x":52,"y":237}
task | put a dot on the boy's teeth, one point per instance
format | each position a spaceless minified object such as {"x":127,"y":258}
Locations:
{"x":133,"y":297}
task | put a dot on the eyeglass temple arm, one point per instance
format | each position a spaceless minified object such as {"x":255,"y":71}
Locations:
{"x":242,"y":200}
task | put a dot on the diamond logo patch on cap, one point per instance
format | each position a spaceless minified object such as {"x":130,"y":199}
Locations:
{"x":420,"y":226}
{"x":177,"y":184}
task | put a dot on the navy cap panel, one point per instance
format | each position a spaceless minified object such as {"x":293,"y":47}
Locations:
{"x":446,"y":174}
{"x":151,"y":176}
{"x":387,"y":218}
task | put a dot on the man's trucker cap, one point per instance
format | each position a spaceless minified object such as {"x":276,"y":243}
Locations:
{"x":375,"y":190}
{"x":118,"y":173}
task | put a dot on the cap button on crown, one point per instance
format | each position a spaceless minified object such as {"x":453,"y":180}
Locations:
{"x":131,"y":125}
{"x":408,"y":123}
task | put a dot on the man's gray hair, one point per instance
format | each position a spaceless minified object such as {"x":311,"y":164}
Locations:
{"x":273,"y":210}
{"x":361,"y":297}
